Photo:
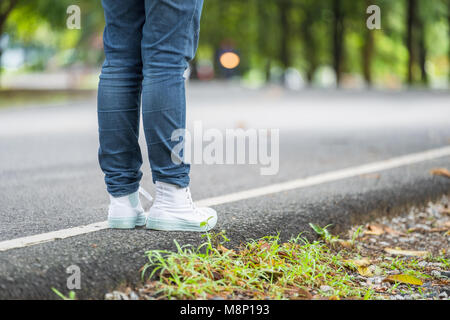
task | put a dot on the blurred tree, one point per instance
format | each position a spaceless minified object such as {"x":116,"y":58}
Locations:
{"x":6,"y":7}
{"x":311,"y":11}
{"x":368,"y":51}
{"x":284,"y":7}
{"x":411,"y":38}
{"x":338,"y":38}
{"x":269,"y":35}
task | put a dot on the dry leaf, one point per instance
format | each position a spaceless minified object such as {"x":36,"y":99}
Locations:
{"x":364,"y":262}
{"x":221,"y":248}
{"x":404,"y":278}
{"x":445,"y":211}
{"x":374,"y":229}
{"x":393,"y":231}
{"x":301,"y":294}
{"x":407,"y":252}
{"x":438,"y":229}
{"x":442,"y":227}
{"x":440,"y":172}
{"x":364,"y":271}
{"x":345,"y":243}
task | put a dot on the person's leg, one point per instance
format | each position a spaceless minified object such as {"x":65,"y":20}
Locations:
{"x":169,"y":42}
{"x":119,"y":96}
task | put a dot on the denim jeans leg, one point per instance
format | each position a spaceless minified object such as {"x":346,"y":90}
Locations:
{"x":119,"y":96}
{"x":169,"y":42}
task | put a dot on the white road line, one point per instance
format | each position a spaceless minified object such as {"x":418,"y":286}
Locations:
{"x":247,"y":194}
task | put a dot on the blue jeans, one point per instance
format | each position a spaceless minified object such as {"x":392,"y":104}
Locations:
{"x":148,"y":44}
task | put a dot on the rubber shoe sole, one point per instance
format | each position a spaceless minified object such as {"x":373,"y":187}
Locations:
{"x":180,"y":225}
{"x":122,"y":223}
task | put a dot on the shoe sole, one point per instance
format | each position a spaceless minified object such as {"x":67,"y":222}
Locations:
{"x":126,"y":223}
{"x":141,"y":221}
{"x":177,"y":225}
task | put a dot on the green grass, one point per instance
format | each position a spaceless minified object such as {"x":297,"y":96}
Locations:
{"x":15,"y":98}
{"x":260,"y":269}
{"x":71,"y":296}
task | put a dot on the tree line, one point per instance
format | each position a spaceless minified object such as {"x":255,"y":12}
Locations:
{"x":414,"y":39}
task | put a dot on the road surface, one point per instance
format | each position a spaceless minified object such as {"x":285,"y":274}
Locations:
{"x":50,"y":179}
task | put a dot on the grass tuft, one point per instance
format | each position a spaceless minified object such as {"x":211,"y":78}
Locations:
{"x":259,"y":269}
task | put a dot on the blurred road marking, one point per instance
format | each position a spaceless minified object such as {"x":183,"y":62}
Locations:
{"x":247,"y":194}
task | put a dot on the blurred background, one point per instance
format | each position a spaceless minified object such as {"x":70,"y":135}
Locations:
{"x":292,"y":43}
{"x":340,"y":95}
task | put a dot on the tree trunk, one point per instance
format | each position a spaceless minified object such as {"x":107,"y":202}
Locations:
{"x":410,"y":22}
{"x":284,"y":6}
{"x":4,"y":13}
{"x":423,"y":55}
{"x":338,"y":38}
{"x":369,"y":46}
{"x":267,"y":69}
{"x":263,"y":20}
{"x":310,"y":47}
{"x":368,"y":52}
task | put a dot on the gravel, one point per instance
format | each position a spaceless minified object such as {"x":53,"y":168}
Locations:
{"x":425,"y":229}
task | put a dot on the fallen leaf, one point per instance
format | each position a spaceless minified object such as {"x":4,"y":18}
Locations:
{"x":438,"y":229}
{"x":345,"y":243}
{"x":283,"y":254}
{"x":217,"y":276}
{"x":374,"y":229}
{"x":440,"y":172}
{"x":441,"y":227}
{"x":407,"y":252}
{"x":404,"y":278}
{"x":393,"y":231}
{"x":222,"y":249}
{"x":299,"y":294}
{"x":445,"y":211}
{"x":364,"y":271}
{"x":364,"y":262}
{"x":441,"y":283}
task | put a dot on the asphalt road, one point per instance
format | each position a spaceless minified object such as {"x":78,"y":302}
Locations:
{"x":50,"y":179}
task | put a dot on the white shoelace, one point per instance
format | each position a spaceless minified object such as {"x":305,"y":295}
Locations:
{"x":150,"y":198}
{"x":145,"y":194}
{"x":189,"y":197}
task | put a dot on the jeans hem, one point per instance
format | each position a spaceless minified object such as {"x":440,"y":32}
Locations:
{"x":181,"y":182}
{"x":123,"y":193}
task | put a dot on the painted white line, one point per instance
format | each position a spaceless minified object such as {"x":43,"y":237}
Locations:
{"x":247,"y":194}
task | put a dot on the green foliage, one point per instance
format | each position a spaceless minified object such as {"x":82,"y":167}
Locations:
{"x":259,"y":269}
{"x":268,"y":34}
{"x":72,"y":294}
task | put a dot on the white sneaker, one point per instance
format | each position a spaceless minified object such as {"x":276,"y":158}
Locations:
{"x":174,"y":210}
{"x":126,"y":212}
